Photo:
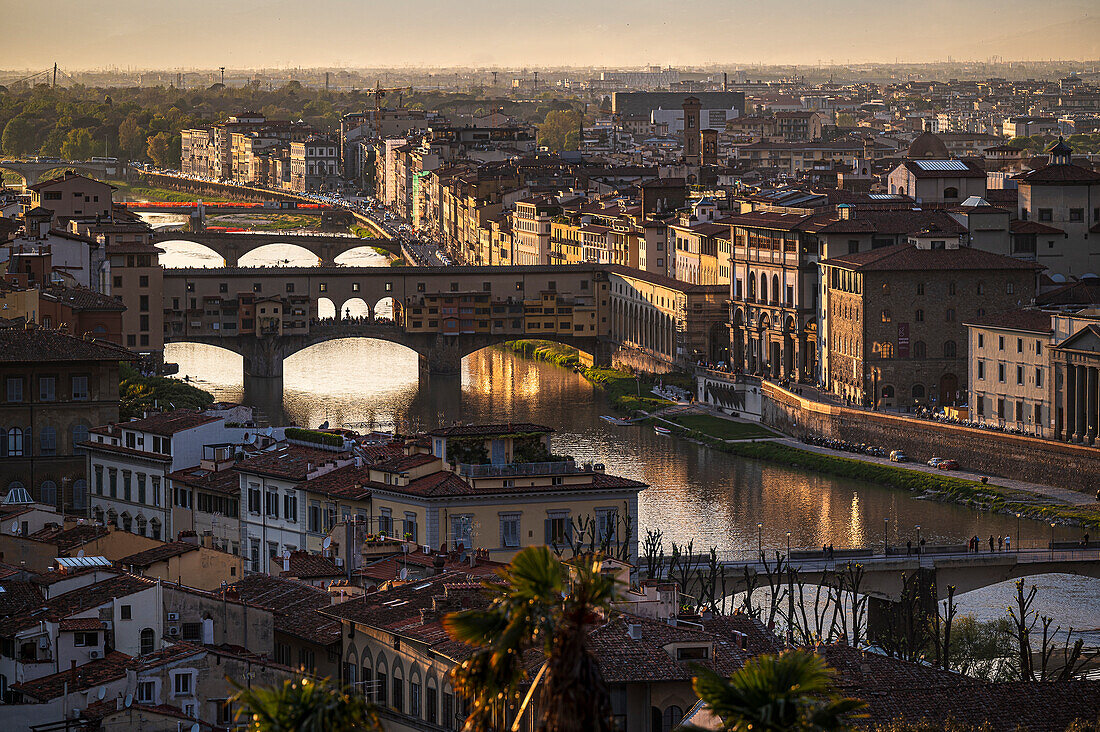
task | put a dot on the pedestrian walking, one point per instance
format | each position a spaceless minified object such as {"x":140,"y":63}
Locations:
{"x":1008,"y":543}
{"x":991,"y":542}
{"x":908,"y":547}
{"x":1000,"y":543}
{"x":920,"y":549}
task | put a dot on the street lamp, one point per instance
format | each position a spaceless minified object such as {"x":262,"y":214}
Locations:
{"x":760,"y":539}
{"x":1017,"y":532}
{"x":918,"y":539}
{"x":886,"y":536}
{"x":1051,"y":539}
{"x":789,"y":546}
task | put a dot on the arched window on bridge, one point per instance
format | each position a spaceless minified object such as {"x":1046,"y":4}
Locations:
{"x":385,"y":309}
{"x":355,"y":308}
{"x":325,"y":308}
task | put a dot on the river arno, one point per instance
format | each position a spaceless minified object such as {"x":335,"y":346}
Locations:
{"x":695,"y":493}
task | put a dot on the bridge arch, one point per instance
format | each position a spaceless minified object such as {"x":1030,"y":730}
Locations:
{"x":350,"y":256}
{"x":387,"y":308}
{"x":355,"y":307}
{"x":289,"y":255}
{"x":326,"y":309}
{"x":182,"y":252}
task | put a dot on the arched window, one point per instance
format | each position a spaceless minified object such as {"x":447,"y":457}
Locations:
{"x":97,"y":514}
{"x":48,"y":441}
{"x":752,"y":286}
{"x":80,"y":493}
{"x":80,"y":433}
{"x":763,"y":287}
{"x":920,"y":350}
{"x":886,"y":317}
{"x":950,"y":192}
{"x":775,"y":288}
{"x":48,"y":493}
{"x":127,"y":521}
{"x":887,"y":392}
{"x":671,"y":718}
{"x":154,"y":525}
{"x":140,"y":525}
{"x":918,"y":391}
{"x":885,"y":349}
{"x":949,"y":349}
{"x":148,"y":637}
{"x":16,"y":440}
{"x":112,"y":518}
{"x":919,"y":316}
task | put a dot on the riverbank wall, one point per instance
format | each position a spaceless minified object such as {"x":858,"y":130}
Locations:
{"x":997,"y":453}
{"x":640,"y":362}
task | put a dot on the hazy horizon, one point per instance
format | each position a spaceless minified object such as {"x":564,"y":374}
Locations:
{"x":248,"y":34}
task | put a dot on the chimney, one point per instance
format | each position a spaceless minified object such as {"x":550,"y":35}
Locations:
{"x":286,"y":564}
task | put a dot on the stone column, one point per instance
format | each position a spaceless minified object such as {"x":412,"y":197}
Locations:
{"x":1091,"y":399}
{"x":1081,"y":409}
{"x":1069,"y":402}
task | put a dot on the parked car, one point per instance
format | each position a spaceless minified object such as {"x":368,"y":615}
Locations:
{"x":935,"y":462}
{"x":897,"y":456}
{"x":948,"y":464}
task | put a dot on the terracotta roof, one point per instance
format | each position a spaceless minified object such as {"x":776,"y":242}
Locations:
{"x":78,"y":624}
{"x":968,"y":169}
{"x":304,"y":565}
{"x":1033,"y":321}
{"x":167,"y":424}
{"x":908,"y":221}
{"x":1032,"y":227}
{"x":488,"y":430}
{"x":225,"y":481}
{"x":39,"y":345}
{"x":149,"y":557}
{"x":289,"y":461}
{"x":1060,"y":175}
{"x":446,"y":483}
{"x":109,"y":668}
{"x":294,"y":606}
{"x":70,"y":538}
{"x":345,"y":482}
{"x":94,"y":595}
{"x":407,"y":462}
{"x":1084,"y":292}
{"x":663,"y":281}
{"x":83,"y":299}
{"x":907,"y":257}
{"x":625,"y":660}
{"x":19,"y":597}
{"x":67,"y":175}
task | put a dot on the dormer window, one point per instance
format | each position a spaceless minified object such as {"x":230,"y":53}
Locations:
{"x":693,"y":653}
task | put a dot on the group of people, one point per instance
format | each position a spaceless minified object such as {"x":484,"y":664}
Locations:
{"x":1002,"y":543}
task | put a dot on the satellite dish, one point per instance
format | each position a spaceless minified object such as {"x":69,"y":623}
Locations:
{"x":80,"y":554}
{"x":129,"y":701}
{"x":101,"y":692}
{"x":327,"y":542}
{"x":15,"y":527}
{"x":404,"y":573}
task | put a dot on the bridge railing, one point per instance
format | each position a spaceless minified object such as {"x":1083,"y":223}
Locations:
{"x":816,"y":559}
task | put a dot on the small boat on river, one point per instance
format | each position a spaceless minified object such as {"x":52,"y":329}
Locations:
{"x":662,"y":430}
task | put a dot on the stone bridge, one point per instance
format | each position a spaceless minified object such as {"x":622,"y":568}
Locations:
{"x":884,"y":576}
{"x":32,"y":171}
{"x":461,"y":309}
{"x":439,"y":353}
{"x":231,"y":247}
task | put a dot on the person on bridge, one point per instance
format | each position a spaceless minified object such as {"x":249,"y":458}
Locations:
{"x":1008,"y":543}
{"x":991,"y":542}
{"x":908,"y":547}
{"x":1000,"y":543}
{"x":920,"y":549}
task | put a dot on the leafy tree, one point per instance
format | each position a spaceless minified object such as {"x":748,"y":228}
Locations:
{"x":164,"y":150}
{"x":139,"y":393}
{"x":561,"y":130}
{"x":537,"y":608}
{"x":132,"y":138}
{"x":78,"y":145}
{"x":305,"y":706}
{"x":789,"y":692}
{"x":19,"y":136}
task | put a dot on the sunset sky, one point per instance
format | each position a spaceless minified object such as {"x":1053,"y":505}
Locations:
{"x":278,"y":33}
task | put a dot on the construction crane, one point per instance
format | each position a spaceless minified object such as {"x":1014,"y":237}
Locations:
{"x":379,"y":92}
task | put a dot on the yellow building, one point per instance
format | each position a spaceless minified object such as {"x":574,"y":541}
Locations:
{"x":15,"y":303}
{"x":499,"y":488}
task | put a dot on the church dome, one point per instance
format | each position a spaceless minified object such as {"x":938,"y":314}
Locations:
{"x":928,"y":145}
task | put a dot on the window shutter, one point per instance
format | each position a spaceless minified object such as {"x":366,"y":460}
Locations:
{"x":549,"y":533}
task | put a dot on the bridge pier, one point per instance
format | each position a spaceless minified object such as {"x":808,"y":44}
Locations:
{"x":263,"y":358}
{"x":892,"y":622}
{"x":443,"y":357}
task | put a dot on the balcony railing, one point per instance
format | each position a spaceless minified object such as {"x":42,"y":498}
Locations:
{"x":505,"y":470}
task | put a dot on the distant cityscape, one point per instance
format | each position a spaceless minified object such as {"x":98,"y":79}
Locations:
{"x":883,"y":274}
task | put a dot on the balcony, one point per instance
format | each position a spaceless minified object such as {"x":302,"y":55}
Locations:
{"x":507,"y":470}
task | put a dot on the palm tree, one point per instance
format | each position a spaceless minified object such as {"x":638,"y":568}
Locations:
{"x":537,"y":608}
{"x":305,"y":706}
{"x":789,"y":692}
